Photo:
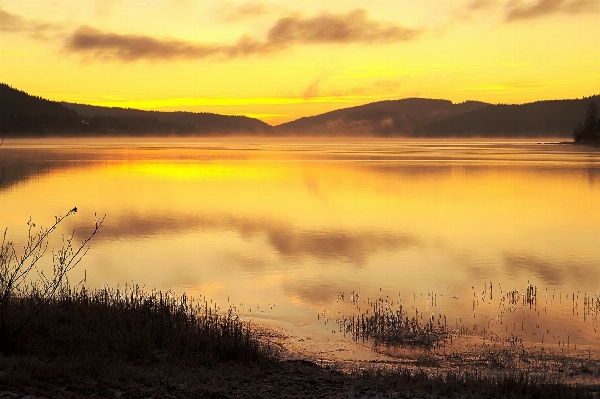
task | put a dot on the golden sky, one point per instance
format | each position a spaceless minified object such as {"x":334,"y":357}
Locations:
{"x":280,"y":60}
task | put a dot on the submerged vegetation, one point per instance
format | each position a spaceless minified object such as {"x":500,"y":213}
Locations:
{"x":385,"y":324}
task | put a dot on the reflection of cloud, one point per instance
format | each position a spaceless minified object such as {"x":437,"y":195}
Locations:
{"x":353,"y":27}
{"x":352,"y":247}
{"x":516,"y":10}
{"x":329,"y":245}
{"x":16,"y":24}
{"x":317,"y":293}
{"x":553,"y":272}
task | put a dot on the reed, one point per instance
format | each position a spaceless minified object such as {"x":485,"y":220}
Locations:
{"x":130,"y":324}
{"x":385,"y":324}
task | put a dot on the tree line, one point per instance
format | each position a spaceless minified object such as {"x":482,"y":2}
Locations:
{"x":589,"y":130}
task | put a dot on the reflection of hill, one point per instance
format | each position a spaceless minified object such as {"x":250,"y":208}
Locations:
{"x":542,"y":118}
{"x":20,"y":165}
{"x":397,"y":117}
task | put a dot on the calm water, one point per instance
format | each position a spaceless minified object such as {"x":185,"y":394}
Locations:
{"x":280,"y":229}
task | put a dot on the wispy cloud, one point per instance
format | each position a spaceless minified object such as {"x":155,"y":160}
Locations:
{"x":13,"y":23}
{"x":229,"y":12}
{"x":383,"y":87}
{"x":325,"y":28}
{"x":519,"y":10}
{"x":477,"y":5}
{"x":312,"y":90}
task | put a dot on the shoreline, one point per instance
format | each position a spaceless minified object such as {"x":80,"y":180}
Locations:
{"x":131,"y":344}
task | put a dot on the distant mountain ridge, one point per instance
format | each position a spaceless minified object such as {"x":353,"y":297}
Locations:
{"x":383,"y":118}
{"x":21,"y":112}
{"x":23,"y":115}
{"x":194,"y":122}
{"x":553,"y":118}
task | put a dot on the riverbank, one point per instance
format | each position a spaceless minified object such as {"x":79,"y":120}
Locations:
{"x":130,"y":343}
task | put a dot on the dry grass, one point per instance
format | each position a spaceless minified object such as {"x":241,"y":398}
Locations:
{"x":134,"y":343}
{"x":129,"y":324}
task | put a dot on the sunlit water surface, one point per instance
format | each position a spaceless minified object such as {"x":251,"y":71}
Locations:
{"x":278,"y":230}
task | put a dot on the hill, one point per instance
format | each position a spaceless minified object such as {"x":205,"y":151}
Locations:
{"x":24,"y":115}
{"x":179,"y":122}
{"x":383,"y":118}
{"x":555,"y":118}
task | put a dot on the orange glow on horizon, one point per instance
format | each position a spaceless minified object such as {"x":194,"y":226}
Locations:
{"x":496,"y":52}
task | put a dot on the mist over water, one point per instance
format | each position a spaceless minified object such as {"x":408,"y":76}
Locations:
{"x":279,"y":229}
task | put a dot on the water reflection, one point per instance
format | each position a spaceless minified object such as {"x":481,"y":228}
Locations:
{"x":294,"y":224}
{"x":552,"y":272}
{"x":288,"y":241}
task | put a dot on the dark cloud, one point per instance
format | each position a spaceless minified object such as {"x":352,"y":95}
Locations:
{"x":353,"y":27}
{"x":518,"y":10}
{"x":13,"y":23}
{"x":108,"y":46}
{"x":353,"y":247}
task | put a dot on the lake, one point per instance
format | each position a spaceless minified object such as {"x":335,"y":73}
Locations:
{"x":288,"y":232}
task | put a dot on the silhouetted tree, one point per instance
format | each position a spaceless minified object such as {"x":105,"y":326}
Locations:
{"x":578,"y":133}
{"x":589,"y":124}
{"x":589,"y":130}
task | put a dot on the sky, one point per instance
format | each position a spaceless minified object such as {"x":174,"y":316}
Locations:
{"x":281,"y":60}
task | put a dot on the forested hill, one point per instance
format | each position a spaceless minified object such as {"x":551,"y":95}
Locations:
{"x":24,"y":115}
{"x":383,"y":118}
{"x":189,"y":121}
{"x":555,"y":118}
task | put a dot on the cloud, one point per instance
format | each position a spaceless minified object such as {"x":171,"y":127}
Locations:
{"x":103,"y":8}
{"x":312,"y":90}
{"x":353,"y":27}
{"x":109,"y":46}
{"x":13,"y":23}
{"x":477,"y":5}
{"x":233,"y":13}
{"x":517,"y":10}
